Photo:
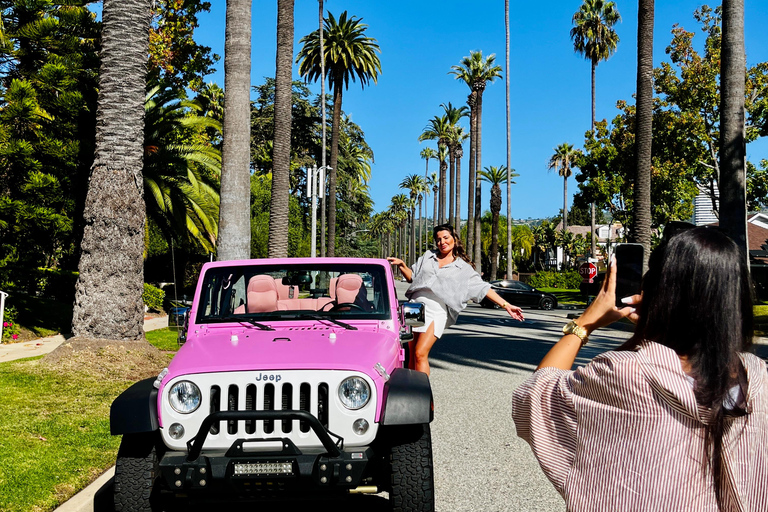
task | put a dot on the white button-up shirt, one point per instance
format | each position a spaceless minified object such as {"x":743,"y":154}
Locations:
{"x":455,"y":283}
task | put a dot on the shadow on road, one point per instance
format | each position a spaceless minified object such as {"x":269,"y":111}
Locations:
{"x":104,"y":502}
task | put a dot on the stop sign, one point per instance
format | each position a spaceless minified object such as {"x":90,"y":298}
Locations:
{"x":587,"y":271}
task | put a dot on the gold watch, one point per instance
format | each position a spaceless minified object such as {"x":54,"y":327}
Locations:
{"x":577,"y":330}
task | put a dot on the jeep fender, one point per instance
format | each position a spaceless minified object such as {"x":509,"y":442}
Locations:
{"x":407,"y":398}
{"x":135,"y":410}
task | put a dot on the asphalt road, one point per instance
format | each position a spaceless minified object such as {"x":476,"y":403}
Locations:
{"x":480,"y":463}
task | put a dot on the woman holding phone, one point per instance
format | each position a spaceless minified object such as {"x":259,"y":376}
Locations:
{"x":677,"y":417}
{"x":444,"y":280}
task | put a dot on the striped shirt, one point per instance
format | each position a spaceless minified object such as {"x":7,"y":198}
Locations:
{"x":455,"y":283}
{"x":624,"y":433}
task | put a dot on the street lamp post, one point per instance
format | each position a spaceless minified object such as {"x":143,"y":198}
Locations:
{"x":315,"y":188}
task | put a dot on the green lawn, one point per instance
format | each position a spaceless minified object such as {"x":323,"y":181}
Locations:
{"x":566,"y":296}
{"x":54,"y":429}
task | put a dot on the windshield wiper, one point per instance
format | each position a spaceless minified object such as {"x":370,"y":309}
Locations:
{"x":321,"y":318}
{"x":250,"y":321}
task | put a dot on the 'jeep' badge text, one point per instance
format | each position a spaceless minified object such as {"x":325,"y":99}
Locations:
{"x":271,"y":377}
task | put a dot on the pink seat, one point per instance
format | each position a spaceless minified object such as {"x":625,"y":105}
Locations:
{"x":332,"y":288}
{"x":261,"y":295}
{"x":284,"y":291}
{"x":347,"y":287}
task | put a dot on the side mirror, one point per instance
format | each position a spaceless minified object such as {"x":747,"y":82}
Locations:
{"x":412,"y":314}
{"x":183,"y":326}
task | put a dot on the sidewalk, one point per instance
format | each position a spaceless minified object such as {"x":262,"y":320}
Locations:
{"x":39,"y":347}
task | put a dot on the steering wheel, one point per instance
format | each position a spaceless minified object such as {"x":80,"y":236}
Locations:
{"x":346,"y":305}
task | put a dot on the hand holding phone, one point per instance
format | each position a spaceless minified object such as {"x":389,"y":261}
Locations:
{"x":629,"y":271}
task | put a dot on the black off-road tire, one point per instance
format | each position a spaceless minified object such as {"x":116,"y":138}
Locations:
{"x":136,"y":472}
{"x":546,"y":304}
{"x":411,"y":471}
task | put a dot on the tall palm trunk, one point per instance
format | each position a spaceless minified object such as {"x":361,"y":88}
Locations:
{"x":642,"y":195}
{"x":234,"y":211}
{"x":452,"y":184}
{"x":495,"y":209}
{"x":421,"y":235}
{"x":565,"y":203}
{"x":472,"y":102}
{"x":321,"y":35}
{"x":592,"y":229}
{"x":478,"y":196}
{"x":108,"y":302}
{"x":426,"y":213}
{"x":443,"y":189}
{"x":457,"y":220}
{"x":281,"y":153}
{"x":509,"y":148}
{"x":434,"y":214}
{"x":412,"y":241}
{"x":733,"y":208}
{"x":337,"y":90}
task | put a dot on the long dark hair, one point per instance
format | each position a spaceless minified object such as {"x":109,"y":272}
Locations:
{"x":697,"y":300}
{"x":458,"y":247}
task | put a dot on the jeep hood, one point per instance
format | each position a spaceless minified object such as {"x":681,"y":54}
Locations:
{"x":232,"y":350}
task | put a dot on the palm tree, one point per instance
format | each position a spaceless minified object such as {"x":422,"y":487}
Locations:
{"x":456,"y":142}
{"x":435,"y":184}
{"x":179,"y":177}
{"x":594,"y":37}
{"x":382,"y":226}
{"x":495,"y":175}
{"x":108,"y":301}
{"x":733,"y":210}
{"x":427,"y":154}
{"x":476,"y":72}
{"x":644,"y":127}
{"x":349,"y":55}
{"x":439,"y":128}
{"x":454,"y":115}
{"x":399,"y":211}
{"x":234,"y":211}
{"x":414,"y":183}
{"x":281,"y":153}
{"x":562,"y":161}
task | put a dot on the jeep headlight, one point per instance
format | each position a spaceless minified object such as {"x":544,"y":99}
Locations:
{"x":354,"y":393}
{"x":184,"y":397}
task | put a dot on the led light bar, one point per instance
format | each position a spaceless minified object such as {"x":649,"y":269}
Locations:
{"x":263,"y":468}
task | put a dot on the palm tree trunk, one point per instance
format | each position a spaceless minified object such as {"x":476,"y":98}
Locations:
{"x":733,"y":209}
{"x":435,"y":190}
{"x":565,"y":203}
{"x":234,"y":240}
{"x":443,"y":188}
{"x":421,"y":235}
{"x":426,"y":213}
{"x":478,"y":196}
{"x":509,"y":148}
{"x":495,"y":208}
{"x":320,"y":33}
{"x":337,"y":92}
{"x":452,"y":185}
{"x":592,"y":224}
{"x":472,"y":102}
{"x":642,"y":195}
{"x":412,"y":241}
{"x":108,"y":302}
{"x":457,"y":220}
{"x":281,"y":154}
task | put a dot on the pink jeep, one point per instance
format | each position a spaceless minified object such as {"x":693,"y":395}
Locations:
{"x":289,"y":382}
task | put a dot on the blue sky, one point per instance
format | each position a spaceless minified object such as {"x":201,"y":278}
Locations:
{"x":549,"y":83}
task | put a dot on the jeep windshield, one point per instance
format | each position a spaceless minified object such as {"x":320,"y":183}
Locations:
{"x":255,"y":293}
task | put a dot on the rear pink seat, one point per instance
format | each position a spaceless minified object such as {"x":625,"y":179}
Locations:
{"x":265,"y":294}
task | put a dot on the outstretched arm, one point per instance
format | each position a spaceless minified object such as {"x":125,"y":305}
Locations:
{"x":514,"y":311}
{"x":407,"y":273}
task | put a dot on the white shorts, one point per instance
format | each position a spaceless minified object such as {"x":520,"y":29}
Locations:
{"x":435,"y":312}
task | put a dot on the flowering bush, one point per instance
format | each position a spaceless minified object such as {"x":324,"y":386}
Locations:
{"x":10,"y":327}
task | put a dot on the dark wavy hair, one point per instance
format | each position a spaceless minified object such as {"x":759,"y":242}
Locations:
{"x":697,"y":300}
{"x":458,"y":247}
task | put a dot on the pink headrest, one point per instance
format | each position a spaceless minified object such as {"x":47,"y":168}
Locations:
{"x":332,"y":287}
{"x":261,"y":294}
{"x":347,"y":287}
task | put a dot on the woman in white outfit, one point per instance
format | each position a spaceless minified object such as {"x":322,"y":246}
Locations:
{"x":444,"y":280}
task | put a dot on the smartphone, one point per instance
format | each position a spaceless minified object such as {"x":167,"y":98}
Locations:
{"x":629,"y":271}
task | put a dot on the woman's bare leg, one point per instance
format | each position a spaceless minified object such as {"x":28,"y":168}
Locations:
{"x":420,"y":347}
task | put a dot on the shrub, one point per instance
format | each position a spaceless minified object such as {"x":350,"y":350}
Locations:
{"x":547,"y":279}
{"x":10,"y":327}
{"x":153,"y":297}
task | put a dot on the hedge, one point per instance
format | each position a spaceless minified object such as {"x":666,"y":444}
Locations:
{"x":153,"y":297}
{"x":547,"y":279}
